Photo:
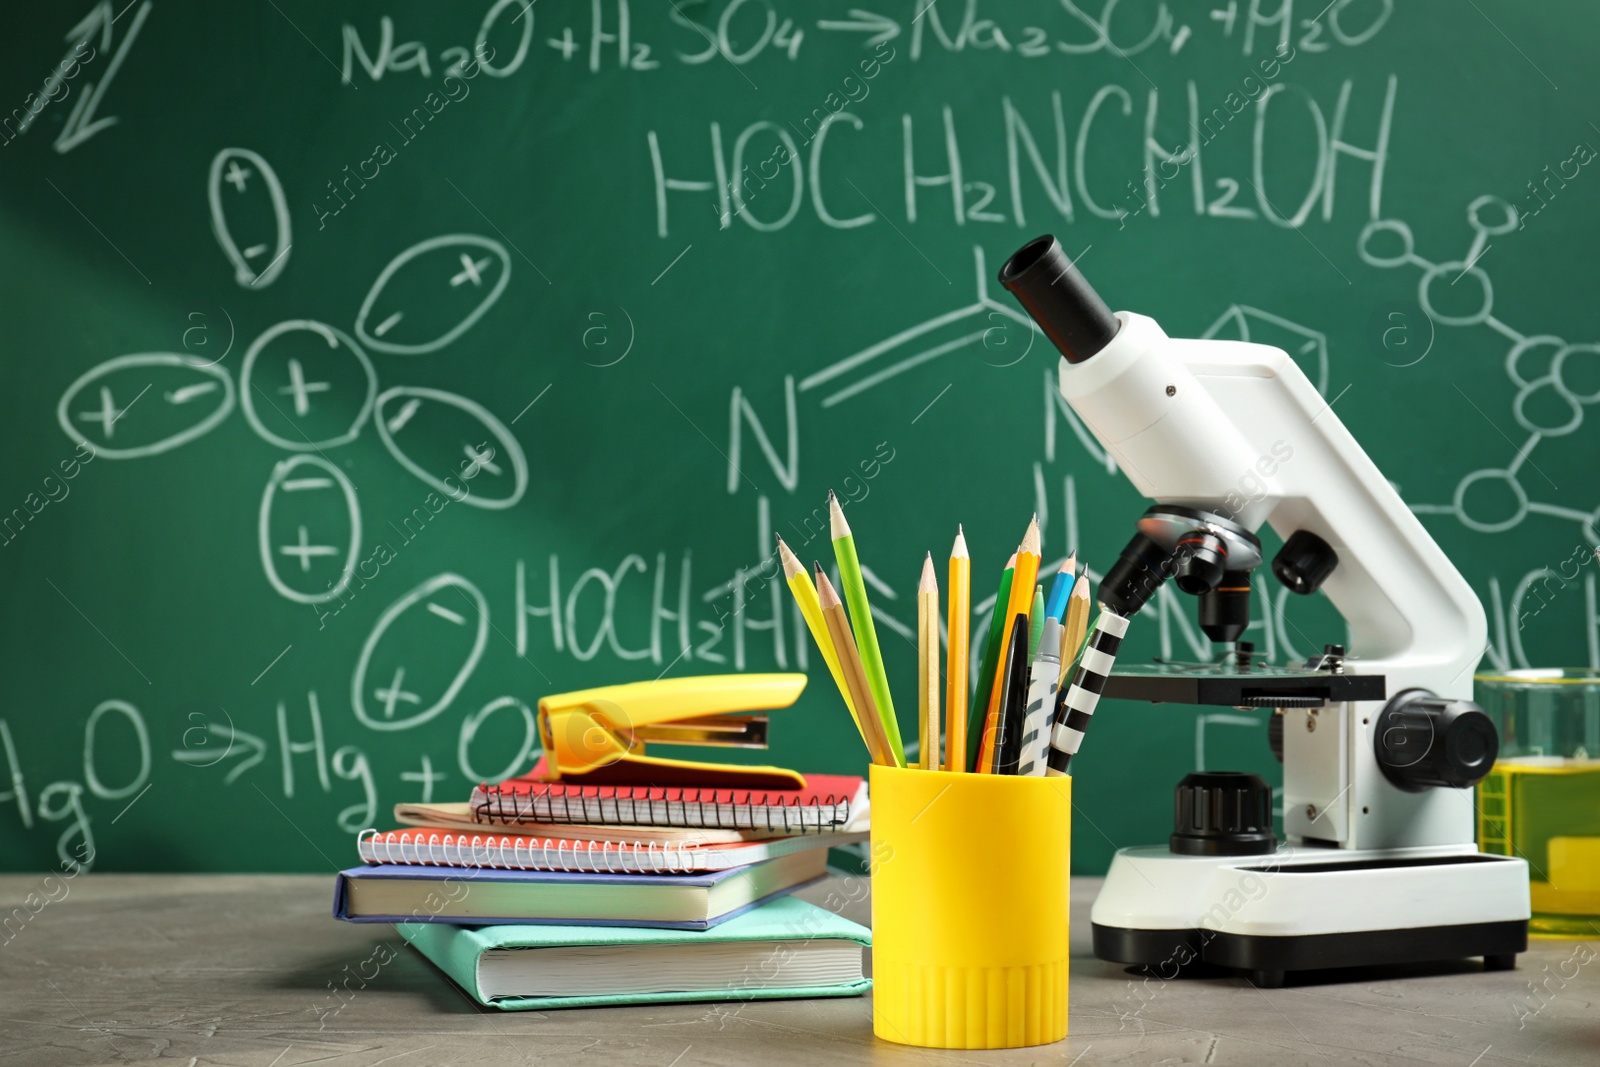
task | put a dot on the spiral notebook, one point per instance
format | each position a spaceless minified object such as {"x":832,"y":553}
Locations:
{"x":518,"y":852}
{"x":824,"y":806}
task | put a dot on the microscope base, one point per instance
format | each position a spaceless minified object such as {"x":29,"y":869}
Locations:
{"x":1308,"y":908}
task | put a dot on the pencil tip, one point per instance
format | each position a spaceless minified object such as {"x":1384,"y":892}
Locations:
{"x":1030,"y":537}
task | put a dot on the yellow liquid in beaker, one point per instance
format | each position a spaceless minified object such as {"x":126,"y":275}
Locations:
{"x":1547,"y":810}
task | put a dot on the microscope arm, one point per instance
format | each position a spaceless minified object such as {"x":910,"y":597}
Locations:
{"x":1237,"y":428}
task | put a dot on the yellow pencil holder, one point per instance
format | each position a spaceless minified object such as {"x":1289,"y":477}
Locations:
{"x":969,"y":908}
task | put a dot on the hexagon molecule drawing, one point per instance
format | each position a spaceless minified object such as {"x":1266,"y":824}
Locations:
{"x":1540,"y":366}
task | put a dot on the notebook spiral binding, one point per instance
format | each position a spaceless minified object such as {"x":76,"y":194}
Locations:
{"x":688,"y":808}
{"x":429,"y":848}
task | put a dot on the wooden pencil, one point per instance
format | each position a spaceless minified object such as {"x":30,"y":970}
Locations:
{"x":928,"y":681}
{"x":1020,"y":602}
{"x":1077,"y":625}
{"x":865,"y":633}
{"x":979,"y":706}
{"x":855,"y":677}
{"x":1056,"y":604}
{"x":957,"y":621}
{"x":805,"y":596}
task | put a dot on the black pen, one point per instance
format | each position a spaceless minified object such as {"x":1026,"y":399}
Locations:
{"x":1013,"y":700}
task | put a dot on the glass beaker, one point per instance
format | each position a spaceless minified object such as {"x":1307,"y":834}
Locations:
{"x":1542,"y":799}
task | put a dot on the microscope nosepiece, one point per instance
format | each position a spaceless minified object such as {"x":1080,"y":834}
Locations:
{"x":1059,"y":299}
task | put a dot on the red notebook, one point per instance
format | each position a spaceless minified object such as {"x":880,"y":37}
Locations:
{"x":828,"y":804}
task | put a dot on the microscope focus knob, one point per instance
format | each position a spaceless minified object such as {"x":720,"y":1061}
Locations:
{"x":1425,"y":741}
{"x":1304,"y":562}
{"x":1222,"y":813}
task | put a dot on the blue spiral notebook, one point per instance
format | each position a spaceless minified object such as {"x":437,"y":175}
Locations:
{"x":786,"y":948}
{"x":477,"y":896}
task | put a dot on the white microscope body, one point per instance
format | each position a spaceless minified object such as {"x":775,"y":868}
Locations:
{"x":1372,"y":871}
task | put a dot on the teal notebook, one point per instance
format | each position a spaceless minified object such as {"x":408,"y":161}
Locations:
{"x":787,"y":948}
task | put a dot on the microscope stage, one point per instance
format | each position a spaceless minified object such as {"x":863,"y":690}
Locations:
{"x":1224,"y":684}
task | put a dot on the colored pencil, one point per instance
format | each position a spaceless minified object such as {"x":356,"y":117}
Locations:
{"x":850,"y":663}
{"x":959,"y":617}
{"x":1056,"y":604}
{"x":1042,"y":684}
{"x":1020,"y":601}
{"x":1035,"y":621}
{"x":805,"y":596}
{"x":866,"y":634}
{"x":987,"y":667}
{"x":928,"y":680}
{"x":1077,"y":625}
{"x":1013,"y":700}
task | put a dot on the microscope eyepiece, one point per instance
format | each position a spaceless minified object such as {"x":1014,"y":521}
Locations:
{"x":1059,"y":299}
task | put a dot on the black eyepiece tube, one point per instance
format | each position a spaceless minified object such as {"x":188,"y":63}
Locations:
{"x":1059,"y":298}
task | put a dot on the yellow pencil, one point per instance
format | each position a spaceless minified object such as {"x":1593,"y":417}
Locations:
{"x":1077,"y":624}
{"x":928,"y":666}
{"x":805,"y":595}
{"x":958,"y":619}
{"x":855,"y":677}
{"x":1020,"y":603}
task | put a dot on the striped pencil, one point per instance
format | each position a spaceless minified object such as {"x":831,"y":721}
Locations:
{"x":1076,"y":704}
{"x":1042,"y":686}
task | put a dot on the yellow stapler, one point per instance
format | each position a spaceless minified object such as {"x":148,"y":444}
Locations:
{"x":597,"y":736}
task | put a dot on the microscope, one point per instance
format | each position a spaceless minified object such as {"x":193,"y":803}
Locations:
{"x":1380,"y":753}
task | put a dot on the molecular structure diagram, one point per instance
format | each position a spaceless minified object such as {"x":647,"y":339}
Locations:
{"x":1540,"y":366}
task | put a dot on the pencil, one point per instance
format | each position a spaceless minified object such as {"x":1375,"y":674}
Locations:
{"x":990,"y":663}
{"x":855,"y":678}
{"x":1013,"y":700}
{"x":1075,"y":703}
{"x":1021,"y":599}
{"x":958,"y":620}
{"x":1077,"y":625}
{"x":1035,"y":622}
{"x":1056,"y":604}
{"x":805,"y":596}
{"x":928,"y":666}
{"x":855,"y":596}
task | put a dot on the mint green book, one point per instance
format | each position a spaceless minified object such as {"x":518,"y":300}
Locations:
{"x":787,"y":948}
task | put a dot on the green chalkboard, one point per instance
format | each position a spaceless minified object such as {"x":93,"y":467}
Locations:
{"x":373,"y":371}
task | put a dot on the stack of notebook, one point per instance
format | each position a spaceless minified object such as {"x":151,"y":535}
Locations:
{"x":539,"y":894}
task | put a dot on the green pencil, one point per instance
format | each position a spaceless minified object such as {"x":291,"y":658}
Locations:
{"x":979,"y":710}
{"x":1035,"y":622}
{"x":866,"y":634}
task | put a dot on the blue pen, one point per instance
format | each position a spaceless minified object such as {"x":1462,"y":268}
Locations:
{"x":1056,"y":605}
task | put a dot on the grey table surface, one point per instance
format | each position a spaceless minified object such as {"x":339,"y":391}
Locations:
{"x":200,"y":970}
